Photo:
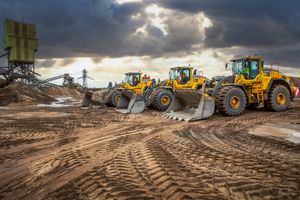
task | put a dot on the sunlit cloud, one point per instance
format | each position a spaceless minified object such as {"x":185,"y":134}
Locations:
{"x":127,"y":1}
{"x":154,"y":13}
{"x":154,"y":37}
{"x":113,"y":69}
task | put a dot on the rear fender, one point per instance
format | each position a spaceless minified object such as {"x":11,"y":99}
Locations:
{"x":239,"y":86}
{"x":168,"y":88}
{"x":275,"y":81}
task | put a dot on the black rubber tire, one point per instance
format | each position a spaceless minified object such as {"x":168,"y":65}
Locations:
{"x":157,"y":97}
{"x":272,"y":104}
{"x":112,"y":100}
{"x":223,"y":100}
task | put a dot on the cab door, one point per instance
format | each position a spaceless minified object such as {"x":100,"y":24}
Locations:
{"x":140,"y":86}
{"x":184,"y":78}
{"x":250,"y":72}
{"x":252,"y":80}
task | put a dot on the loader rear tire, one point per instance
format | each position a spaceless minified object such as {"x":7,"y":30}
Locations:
{"x":162,"y":99}
{"x":231,"y":101}
{"x":278,"y":98}
{"x":114,"y":98}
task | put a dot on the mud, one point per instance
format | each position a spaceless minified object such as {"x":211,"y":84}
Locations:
{"x":279,"y":131}
{"x":72,"y":153}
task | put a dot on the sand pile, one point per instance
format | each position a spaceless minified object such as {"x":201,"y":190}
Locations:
{"x":18,"y":93}
{"x":62,"y":91}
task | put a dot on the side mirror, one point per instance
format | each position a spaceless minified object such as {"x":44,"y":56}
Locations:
{"x":227,"y":66}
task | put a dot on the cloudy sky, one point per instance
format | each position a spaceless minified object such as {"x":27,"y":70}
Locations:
{"x":111,"y":37}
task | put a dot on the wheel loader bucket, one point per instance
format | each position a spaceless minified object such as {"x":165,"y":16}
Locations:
{"x":87,"y":100}
{"x":190,"y":105}
{"x":130,"y":102}
{"x":95,"y":98}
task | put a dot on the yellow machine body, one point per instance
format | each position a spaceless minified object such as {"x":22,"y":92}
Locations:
{"x":194,"y":80}
{"x":256,"y":88}
{"x":131,"y":97}
{"x":189,"y":102}
{"x":140,"y":84}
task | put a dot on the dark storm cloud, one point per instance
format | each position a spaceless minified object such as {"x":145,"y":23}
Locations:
{"x":291,"y":57}
{"x":76,"y":27}
{"x":269,"y":27}
{"x":93,"y":28}
{"x":98,"y":28}
{"x":45,"y":63}
{"x":283,"y":57}
{"x":251,"y":23}
{"x":287,"y":58}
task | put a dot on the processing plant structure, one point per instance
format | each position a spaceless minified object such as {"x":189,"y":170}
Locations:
{"x":20,"y":44}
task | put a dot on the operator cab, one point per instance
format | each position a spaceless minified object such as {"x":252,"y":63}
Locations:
{"x":132,"y":78}
{"x":180,"y":74}
{"x":249,"y":67}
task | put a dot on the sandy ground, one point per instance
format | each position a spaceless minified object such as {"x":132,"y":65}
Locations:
{"x":71,"y":153}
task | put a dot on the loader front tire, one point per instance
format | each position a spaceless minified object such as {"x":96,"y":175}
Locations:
{"x":231,"y":101}
{"x":162,"y":99}
{"x":115,"y":98}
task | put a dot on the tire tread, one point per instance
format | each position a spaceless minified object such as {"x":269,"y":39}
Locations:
{"x":221,"y":101}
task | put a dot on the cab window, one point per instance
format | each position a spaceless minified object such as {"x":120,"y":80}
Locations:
{"x":132,"y":79}
{"x":251,"y":69}
{"x":183,"y":76}
{"x":135,"y":80}
{"x":237,"y":67}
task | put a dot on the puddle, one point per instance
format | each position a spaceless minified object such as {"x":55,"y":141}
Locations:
{"x":279,"y":130}
{"x":62,"y":102}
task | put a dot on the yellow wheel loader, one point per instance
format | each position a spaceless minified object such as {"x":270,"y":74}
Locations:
{"x":251,"y":85}
{"x":182,"y":96}
{"x":130,"y":93}
{"x":124,"y":96}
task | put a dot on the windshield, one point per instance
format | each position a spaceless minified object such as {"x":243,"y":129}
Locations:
{"x":249,"y":68}
{"x":128,"y":78}
{"x":237,"y":67}
{"x":132,"y":79}
{"x":173,"y":74}
{"x":181,"y":75}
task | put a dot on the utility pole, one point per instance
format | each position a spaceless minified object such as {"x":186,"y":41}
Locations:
{"x":85,"y":77}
